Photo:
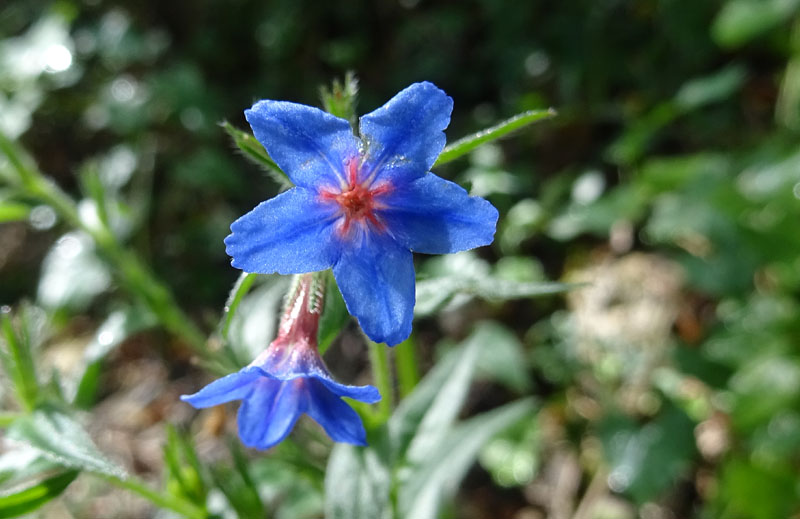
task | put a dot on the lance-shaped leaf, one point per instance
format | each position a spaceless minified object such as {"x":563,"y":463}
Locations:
{"x":357,"y":484}
{"x":61,"y":439}
{"x":433,"y":294}
{"x":470,"y":142}
{"x":438,"y":478}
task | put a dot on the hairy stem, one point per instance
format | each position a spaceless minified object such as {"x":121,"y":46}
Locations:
{"x":379,"y":359}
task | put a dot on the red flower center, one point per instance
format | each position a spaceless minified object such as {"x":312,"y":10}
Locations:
{"x":358,"y":201}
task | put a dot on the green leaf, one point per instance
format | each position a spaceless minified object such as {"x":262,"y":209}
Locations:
{"x":640,"y":133}
{"x":18,"y":362}
{"x":501,"y":357}
{"x":290,"y":488}
{"x":470,"y":142}
{"x":357,"y":484}
{"x":238,"y":485}
{"x":434,"y":426}
{"x":20,"y":501}
{"x":334,"y":316}
{"x":749,"y":490}
{"x":645,"y":460}
{"x":513,"y":456}
{"x":253,"y":150}
{"x":22,"y":463}
{"x":433,"y":294}
{"x":712,"y":88}
{"x":72,"y":273}
{"x":62,"y":440}
{"x":775,"y":375}
{"x":120,"y":325}
{"x":183,"y":467}
{"x":22,"y":163}
{"x":439,"y":475}
{"x":443,"y":388}
{"x":740,"y":21}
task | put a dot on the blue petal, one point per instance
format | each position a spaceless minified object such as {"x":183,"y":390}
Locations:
{"x":405,"y":136}
{"x":367,"y":394}
{"x":269,"y":413}
{"x":338,"y":419}
{"x":288,"y":234}
{"x":376,"y":277}
{"x":310,"y":145}
{"x":232,"y":387}
{"x":434,"y":216}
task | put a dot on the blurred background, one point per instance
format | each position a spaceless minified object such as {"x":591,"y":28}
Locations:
{"x":669,"y":386}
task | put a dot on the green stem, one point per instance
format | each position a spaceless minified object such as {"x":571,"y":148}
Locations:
{"x":132,"y":272}
{"x":379,"y":359}
{"x":166,"y":501}
{"x":407,"y":368}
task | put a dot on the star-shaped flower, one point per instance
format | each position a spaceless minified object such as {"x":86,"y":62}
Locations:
{"x":362,"y":204}
{"x":288,"y":379}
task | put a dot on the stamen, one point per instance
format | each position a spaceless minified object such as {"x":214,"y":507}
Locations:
{"x":357,"y":201}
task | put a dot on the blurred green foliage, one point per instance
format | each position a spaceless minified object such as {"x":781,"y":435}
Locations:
{"x":669,"y":183}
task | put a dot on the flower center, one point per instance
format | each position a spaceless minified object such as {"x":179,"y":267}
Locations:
{"x":358,"y":201}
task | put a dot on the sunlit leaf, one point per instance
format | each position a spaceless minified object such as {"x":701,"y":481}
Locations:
{"x":433,"y":294}
{"x":438,"y":477}
{"x":72,"y":274}
{"x":403,"y":424}
{"x":443,"y":410}
{"x":357,"y":484}
{"x":513,"y":456}
{"x":500,"y":356}
{"x":61,"y":439}
{"x":17,"y":356}
{"x":466,"y":144}
{"x":740,"y":21}
{"x":22,"y":463}
{"x":644,"y":460}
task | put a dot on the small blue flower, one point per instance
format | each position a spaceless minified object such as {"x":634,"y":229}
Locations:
{"x":361,"y":205}
{"x":288,"y":379}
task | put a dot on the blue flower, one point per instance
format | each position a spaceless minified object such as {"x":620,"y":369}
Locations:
{"x":288,"y":379}
{"x":361,"y":205}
